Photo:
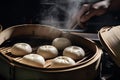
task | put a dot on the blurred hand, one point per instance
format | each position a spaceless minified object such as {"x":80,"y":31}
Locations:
{"x":96,"y":9}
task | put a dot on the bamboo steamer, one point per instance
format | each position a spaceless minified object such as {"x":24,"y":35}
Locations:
{"x":85,"y":69}
{"x":110,"y":39}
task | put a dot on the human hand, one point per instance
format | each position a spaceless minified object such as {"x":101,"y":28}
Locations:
{"x":96,"y":9}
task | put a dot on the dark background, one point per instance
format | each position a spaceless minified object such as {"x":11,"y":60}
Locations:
{"x":14,"y":12}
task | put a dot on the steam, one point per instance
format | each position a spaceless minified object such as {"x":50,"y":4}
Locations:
{"x":60,"y":12}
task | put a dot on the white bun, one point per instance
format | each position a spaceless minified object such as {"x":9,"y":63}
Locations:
{"x":20,"y":49}
{"x":47,"y":51}
{"x":62,"y":61}
{"x":34,"y":60}
{"x":74,"y":52}
{"x":61,"y":43}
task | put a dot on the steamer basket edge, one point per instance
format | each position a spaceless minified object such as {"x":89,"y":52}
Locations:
{"x":95,"y":61}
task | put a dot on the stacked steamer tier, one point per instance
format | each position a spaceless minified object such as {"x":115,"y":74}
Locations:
{"x":110,"y":39}
{"x":36,"y":35}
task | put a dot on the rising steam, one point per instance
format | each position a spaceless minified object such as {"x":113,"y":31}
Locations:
{"x":58,"y":13}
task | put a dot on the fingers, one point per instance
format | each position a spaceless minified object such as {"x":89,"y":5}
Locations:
{"x":87,"y":11}
{"x":78,"y":14}
{"x":91,"y":14}
{"x":103,"y":4}
{"x":96,"y":9}
{"x":83,"y":10}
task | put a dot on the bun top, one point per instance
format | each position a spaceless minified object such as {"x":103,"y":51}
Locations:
{"x":62,"y":61}
{"x":61,"y":43}
{"x":34,"y":60}
{"x":47,"y":51}
{"x":74,"y":52}
{"x":20,"y":49}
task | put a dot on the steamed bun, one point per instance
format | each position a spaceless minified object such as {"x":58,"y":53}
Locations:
{"x":47,"y":51}
{"x":74,"y":52}
{"x":34,"y":60}
{"x":20,"y":49}
{"x":61,"y":43}
{"x":62,"y":61}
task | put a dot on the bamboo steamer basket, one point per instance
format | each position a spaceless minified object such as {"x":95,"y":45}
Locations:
{"x":110,"y":39}
{"x":86,"y":69}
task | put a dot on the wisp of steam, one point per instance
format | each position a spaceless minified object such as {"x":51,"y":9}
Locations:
{"x":59,"y":13}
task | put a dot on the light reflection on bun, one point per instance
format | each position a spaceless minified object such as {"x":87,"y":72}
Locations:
{"x":20,"y":49}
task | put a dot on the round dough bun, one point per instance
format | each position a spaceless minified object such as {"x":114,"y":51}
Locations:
{"x":34,"y":60}
{"x":21,"y":49}
{"x":62,"y":61}
{"x":74,"y":52}
{"x":47,"y":51}
{"x":61,"y":43}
